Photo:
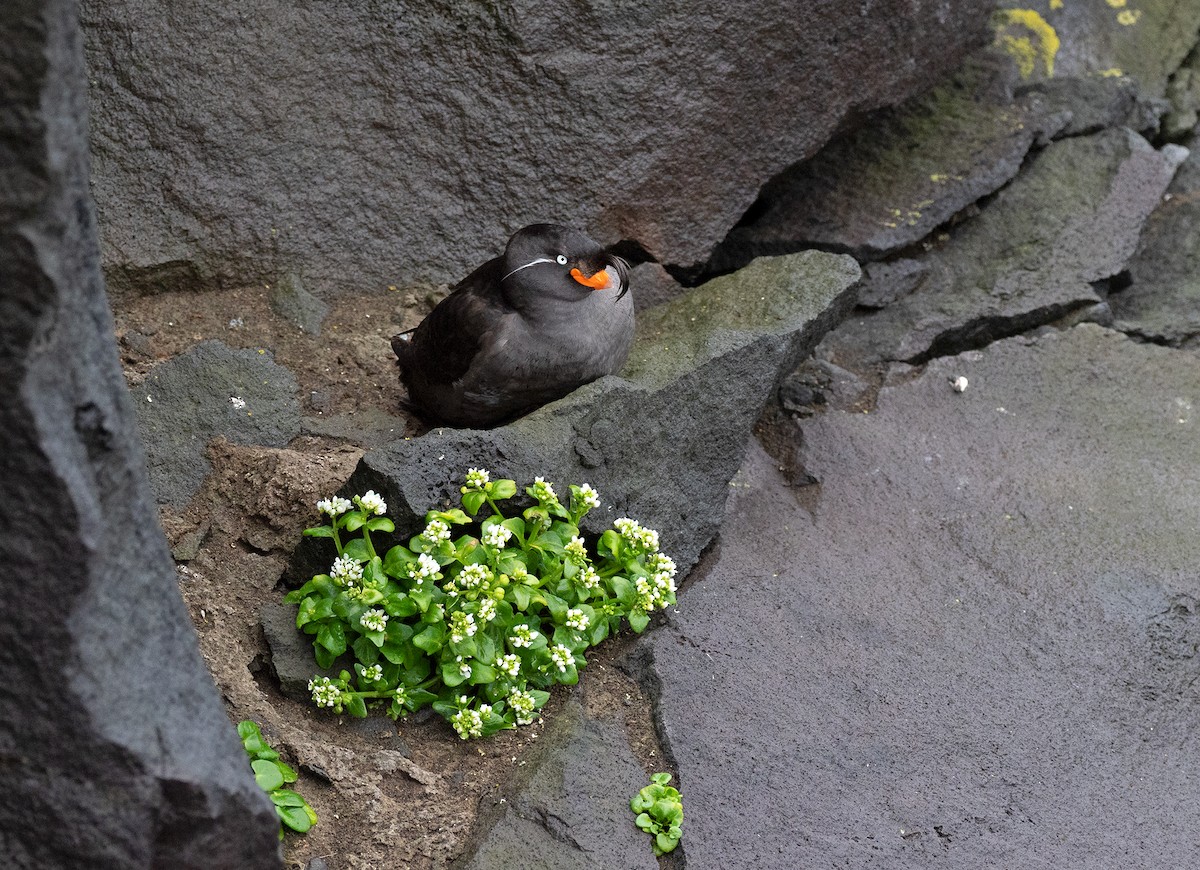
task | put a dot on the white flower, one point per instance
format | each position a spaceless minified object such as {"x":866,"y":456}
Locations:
{"x":462,"y":626}
{"x":335,"y":506}
{"x":487,"y":609}
{"x":468,"y":723}
{"x":473,"y":577}
{"x":374,"y":620}
{"x":588,"y":578}
{"x":543,"y":491}
{"x":373,"y":674}
{"x":425,"y":567}
{"x":496,"y":535}
{"x":576,"y":551}
{"x":345,"y":571}
{"x":561,"y":657}
{"x":436,"y":531}
{"x":576,"y":619}
{"x":509,"y":664}
{"x":372,"y":503}
{"x":635,"y":535}
{"x":464,"y":669}
{"x":325,"y":693}
{"x":485,"y":710}
{"x":522,"y":636}
{"x":589,"y":497}
{"x":523,"y":704}
{"x":477,"y":478}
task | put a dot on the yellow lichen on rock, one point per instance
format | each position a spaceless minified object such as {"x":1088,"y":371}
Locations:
{"x":1027,"y":38}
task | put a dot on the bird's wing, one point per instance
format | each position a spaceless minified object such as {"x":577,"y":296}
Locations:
{"x":449,"y":339}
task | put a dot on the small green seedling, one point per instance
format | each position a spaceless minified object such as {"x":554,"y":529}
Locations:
{"x":660,"y":813}
{"x":271,"y":774}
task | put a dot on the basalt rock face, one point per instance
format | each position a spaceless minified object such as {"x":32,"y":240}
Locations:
{"x":114,"y":748}
{"x":363,"y":145}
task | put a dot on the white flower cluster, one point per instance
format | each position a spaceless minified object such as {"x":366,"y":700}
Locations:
{"x":653,"y":591}
{"x":373,"y":674}
{"x":464,"y":669}
{"x":374,"y":620}
{"x":471,"y":581}
{"x":523,"y":636}
{"x":576,"y":551}
{"x":589,"y":497}
{"x":477,"y":478}
{"x":426,"y":567}
{"x":487,"y":609}
{"x":372,"y":503}
{"x":468,"y":723}
{"x":334,"y":507}
{"x":544,"y":491}
{"x":588,"y":578}
{"x":462,"y":626}
{"x":346,"y":572}
{"x":496,"y":535}
{"x":523,"y":705}
{"x":509,"y":664}
{"x":561,"y":657}
{"x":576,"y":619}
{"x":325,"y":692}
{"x":436,"y":532}
{"x":637,"y":536}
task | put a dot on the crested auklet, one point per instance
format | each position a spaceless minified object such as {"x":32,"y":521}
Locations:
{"x":524,"y":329}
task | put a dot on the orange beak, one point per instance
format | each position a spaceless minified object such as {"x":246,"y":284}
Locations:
{"x":599,"y":281}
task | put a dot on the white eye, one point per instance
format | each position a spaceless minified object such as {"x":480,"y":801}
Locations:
{"x":561,"y":260}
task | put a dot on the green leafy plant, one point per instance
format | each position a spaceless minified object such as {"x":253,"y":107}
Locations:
{"x":660,"y":812}
{"x":482,"y":624}
{"x":271,"y":774}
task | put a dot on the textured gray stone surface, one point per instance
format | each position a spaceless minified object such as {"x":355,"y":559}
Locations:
{"x":1071,"y":219}
{"x":363,"y":145}
{"x":1162,"y":302}
{"x":973,"y":644}
{"x":569,"y":809}
{"x":659,"y":443}
{"x":114,"y":747}
{"x":188,"y":400}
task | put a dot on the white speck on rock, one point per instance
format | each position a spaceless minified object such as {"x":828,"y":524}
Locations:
{"x":959,"y":384}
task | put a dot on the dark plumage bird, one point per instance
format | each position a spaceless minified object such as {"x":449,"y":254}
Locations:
{"x":522,"y":330}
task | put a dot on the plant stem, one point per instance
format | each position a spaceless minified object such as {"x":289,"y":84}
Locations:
{"x":367,"y":540}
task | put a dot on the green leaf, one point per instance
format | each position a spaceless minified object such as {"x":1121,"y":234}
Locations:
{"x":665,"y":842}
{"x":356,"y":706}
{"x":400,"y":606}
{"x":357,"y":550}
{"x":644,"y":821}
{"x":289,"y":775}
{"x":556,"y":606}
{"x":598,"y":631}
{"x":267,"y":774}
{"x":319,"y":532}
{"x":638,"y":620}
{"x":422,"y":596}
{"x":521,"y":596}
{"x":472,"y":501}
{"x":418,"y":698}
{"x":380,"y":524}
{"x":354,"y":520}
{"x":396,"y":562}
{"x":454,"y":517}
{"x":482,"y":674}
{"x":661,"y":778}
{"x":332,"y":637}
{"x":248,"y":728}
{"x":312,"y":610}
{"x":323,"y":656}
{"x":451,"y":675}
{"x":502,"y":489}
{"x":431,"y":639}
{"x":515,"y":525}
{"x":610,"y":544}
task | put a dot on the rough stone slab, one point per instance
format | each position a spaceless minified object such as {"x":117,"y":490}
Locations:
{"x":659,"y":443}
{"x":973,"y":644}
{"x":1146,"y":40}
{"x":115,"y":750}
{"x":1163,"y":301}
{"x":569,"y":809}
{"x":1071,"y":219}
{"x":186,"y":401}
{"x":899,"y":176}
{"x":365,"y":145}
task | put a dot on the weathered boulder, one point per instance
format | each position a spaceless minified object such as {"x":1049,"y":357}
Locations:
{"x":208,"y":391}
{"x":568,"y":809}
{"x":1162,"y":302}
{"x":363,"y":145}
{"x":972,"y":645}
{"x":659,"y":443}
{"x":1070,"y":220}
{"x":114,"y":747}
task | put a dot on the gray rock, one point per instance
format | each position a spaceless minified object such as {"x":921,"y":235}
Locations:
{"x":116,"y":750}
{"x":407,"y":140}
{"x":652,"y":285}
{"x":188,"y":400}
{"x":569,"y":808}
{"x":1162,"y":302}
{"x":884,"y":283}
{"x":291,"y":649}
{"x":908,"y":667}
{"x":1183,"y":92}
{"x":889,"y":183}
{"x":1071,"y":219}
{"x":368,"y":427}
{"x":292,"y":302}
{"x":659,"y":443}
{"x":1095,"y":103}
